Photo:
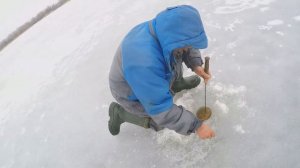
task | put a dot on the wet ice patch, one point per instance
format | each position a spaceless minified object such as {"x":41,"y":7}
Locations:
{"x":234,"y":6}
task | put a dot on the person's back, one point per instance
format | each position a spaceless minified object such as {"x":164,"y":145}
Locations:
{"x":146,"y":71}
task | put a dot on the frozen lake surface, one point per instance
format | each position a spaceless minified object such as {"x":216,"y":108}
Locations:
{"x":54,"y":93}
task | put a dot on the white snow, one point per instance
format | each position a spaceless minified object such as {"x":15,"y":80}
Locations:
{"x":271,"y":24}
{"x":264,"y":9}
{"x":233,"y":90}
{"x":239,"y":129}
{"x":231,"y":45}
{"x":232,"y":26}
{"x":222,"y":106}
{"x":218,"y":87}
{"x":280,"y":33}
{"x":105,"y":106}
{"x":235,"y":6}
{"x":264,"y":27}
{"x":275,"y":22}
{"x":54,"y":92}
{"x":297,"y":18}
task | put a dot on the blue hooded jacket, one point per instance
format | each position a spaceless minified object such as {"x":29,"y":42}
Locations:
{"x":146,"y":60}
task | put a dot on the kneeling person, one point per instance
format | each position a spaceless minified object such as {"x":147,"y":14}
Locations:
{"x":147,"y":72}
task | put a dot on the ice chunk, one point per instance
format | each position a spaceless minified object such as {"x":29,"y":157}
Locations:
{"x":222,"y":106}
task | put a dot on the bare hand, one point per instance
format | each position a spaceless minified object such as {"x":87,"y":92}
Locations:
{"x":200,"y":71}
{"x":205,"y":132}
{"x":207,"y":78}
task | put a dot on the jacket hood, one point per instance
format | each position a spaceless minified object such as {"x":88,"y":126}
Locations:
{"x":178,"y":27}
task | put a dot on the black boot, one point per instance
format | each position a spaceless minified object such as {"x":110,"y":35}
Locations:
{"x":119,"y":115}
{"x":186,"y":83}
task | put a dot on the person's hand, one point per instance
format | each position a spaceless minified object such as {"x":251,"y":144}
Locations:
{"x":200,"y":72}
{"x":205,"y":132}
{"x":207,"y":78}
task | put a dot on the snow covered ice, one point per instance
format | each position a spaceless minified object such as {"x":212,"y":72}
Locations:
{"x":54,"y":93}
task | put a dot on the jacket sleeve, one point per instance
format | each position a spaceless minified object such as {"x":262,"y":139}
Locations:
{"x":192,"y":58}
{"x":151,"y":87}
{"x":179,"y":119}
